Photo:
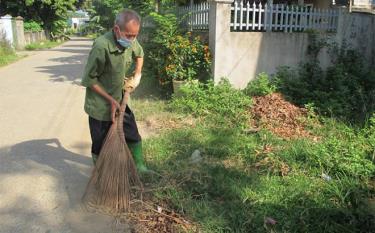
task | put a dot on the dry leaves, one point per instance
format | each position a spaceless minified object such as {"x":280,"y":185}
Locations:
{"x":279,"y":116}
{"x":148,"y":218}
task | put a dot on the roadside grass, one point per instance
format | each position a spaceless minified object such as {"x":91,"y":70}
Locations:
{"x":7,"y":55}
{"x":237,"y":186}
{"x":47,"y":44}
{"x":258,"y":182}
{"x":92,"y":36}
{"x":6,"y":59}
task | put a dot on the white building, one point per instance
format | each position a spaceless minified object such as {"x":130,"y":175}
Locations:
{"x":363,"y":6}
{"x":78,"y":18}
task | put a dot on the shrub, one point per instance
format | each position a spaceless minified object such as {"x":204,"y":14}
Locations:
{"x":32,"y":26}
{"x":58,"y":28}
{"x":93,"y":28}
{"x":221,"y":102}
{"x":187,"y":59}
{"x":260,"y":86}
{"x":346,"y":90}
{"x":174,"y":54}
{"x":165,"y":28}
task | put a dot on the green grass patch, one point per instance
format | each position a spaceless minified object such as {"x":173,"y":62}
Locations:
{"x":245,"y":178}
{"x":8,"y":58}
{"x":7,"y":55}
{"x":47,"y":44}
{"x":92,"y":36}
{"x":236,"y":186}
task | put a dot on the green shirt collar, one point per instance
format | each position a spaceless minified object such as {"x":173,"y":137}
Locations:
{"x":112,"y":46}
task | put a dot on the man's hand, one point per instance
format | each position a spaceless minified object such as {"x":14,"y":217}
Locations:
{"x":114,"y":107}
{"x":114,"y":104}
{"x":132,"y":82}
{"x":137,"y":79}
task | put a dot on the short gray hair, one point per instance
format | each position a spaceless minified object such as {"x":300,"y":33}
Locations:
{"x":125,"y":16}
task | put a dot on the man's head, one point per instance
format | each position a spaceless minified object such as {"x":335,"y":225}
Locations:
{"x":127,"y":25}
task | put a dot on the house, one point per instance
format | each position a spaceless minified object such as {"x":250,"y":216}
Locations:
{"x":367,"y":6}
{"x":321,"y":4}
{"x":77,"y":19}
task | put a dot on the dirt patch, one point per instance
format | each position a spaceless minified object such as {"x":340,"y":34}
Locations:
{"x":154,"y":124}
{"x":279,"y":116}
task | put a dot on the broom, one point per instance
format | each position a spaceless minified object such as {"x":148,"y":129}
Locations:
{"x":115,"y":175}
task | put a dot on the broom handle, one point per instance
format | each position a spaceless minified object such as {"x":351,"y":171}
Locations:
{"x":120,"y":119}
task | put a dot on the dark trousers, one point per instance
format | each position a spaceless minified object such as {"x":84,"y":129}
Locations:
{"x":99,"y":130}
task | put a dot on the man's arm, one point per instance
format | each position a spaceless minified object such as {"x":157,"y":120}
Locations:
{"x":138,"y":54}
{"x":132,"y":82}
{"x":137,"y":74}
{"x":138,"y":65}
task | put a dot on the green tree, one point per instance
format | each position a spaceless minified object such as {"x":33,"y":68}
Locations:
{"x":106,"y":10}
{"x":45,"y":11}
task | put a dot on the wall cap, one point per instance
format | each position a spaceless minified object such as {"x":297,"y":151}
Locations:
{"x":6,"y":17}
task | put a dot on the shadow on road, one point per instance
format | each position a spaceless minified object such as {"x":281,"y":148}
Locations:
{"x":68,"y":64}
{"x":48,"y":154}
{"x":41,"y":187}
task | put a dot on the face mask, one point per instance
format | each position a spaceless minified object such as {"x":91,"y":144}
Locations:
{"x":125,"y":43}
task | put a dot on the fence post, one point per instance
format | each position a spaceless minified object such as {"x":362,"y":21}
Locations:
{"x":269,"y":15}
{"x":191,"y":14}
{"x":18,"y":33}
{"x":219,"y":24}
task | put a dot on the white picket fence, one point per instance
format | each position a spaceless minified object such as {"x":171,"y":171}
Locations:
{"x":195,"y":17}
{"x":268,"y":17}
{"x":280,"y":17}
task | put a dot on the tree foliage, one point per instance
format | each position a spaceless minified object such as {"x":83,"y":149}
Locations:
{"x":107,"y":9}
{"x":45,"y":11}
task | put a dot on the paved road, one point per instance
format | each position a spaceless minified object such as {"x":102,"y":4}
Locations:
{"x":44,"y":144}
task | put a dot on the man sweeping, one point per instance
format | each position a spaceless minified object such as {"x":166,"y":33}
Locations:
{"x":109,"y":63}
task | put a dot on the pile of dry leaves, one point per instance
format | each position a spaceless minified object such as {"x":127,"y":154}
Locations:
{"x":279,"y":116}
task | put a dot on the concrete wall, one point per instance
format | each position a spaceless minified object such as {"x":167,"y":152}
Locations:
{"x":6,"y":29}
{"x":2,"y":29}
{"x":32,"y":37}
{"x":256,"y":52}
{"x":322,"y":4}
{"x":13,"y":31}
{"x":240,"y":56}
{"x":365,"y":3}
{"x":358,"y":31}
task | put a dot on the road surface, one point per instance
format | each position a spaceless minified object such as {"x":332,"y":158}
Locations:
{"x":45,"y":157}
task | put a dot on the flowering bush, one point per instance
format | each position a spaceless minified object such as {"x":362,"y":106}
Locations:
{"x":175,"y":55}
{"x":188,"y":58}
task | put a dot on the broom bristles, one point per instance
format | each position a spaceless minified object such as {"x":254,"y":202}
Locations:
{"x":115,"y":173}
